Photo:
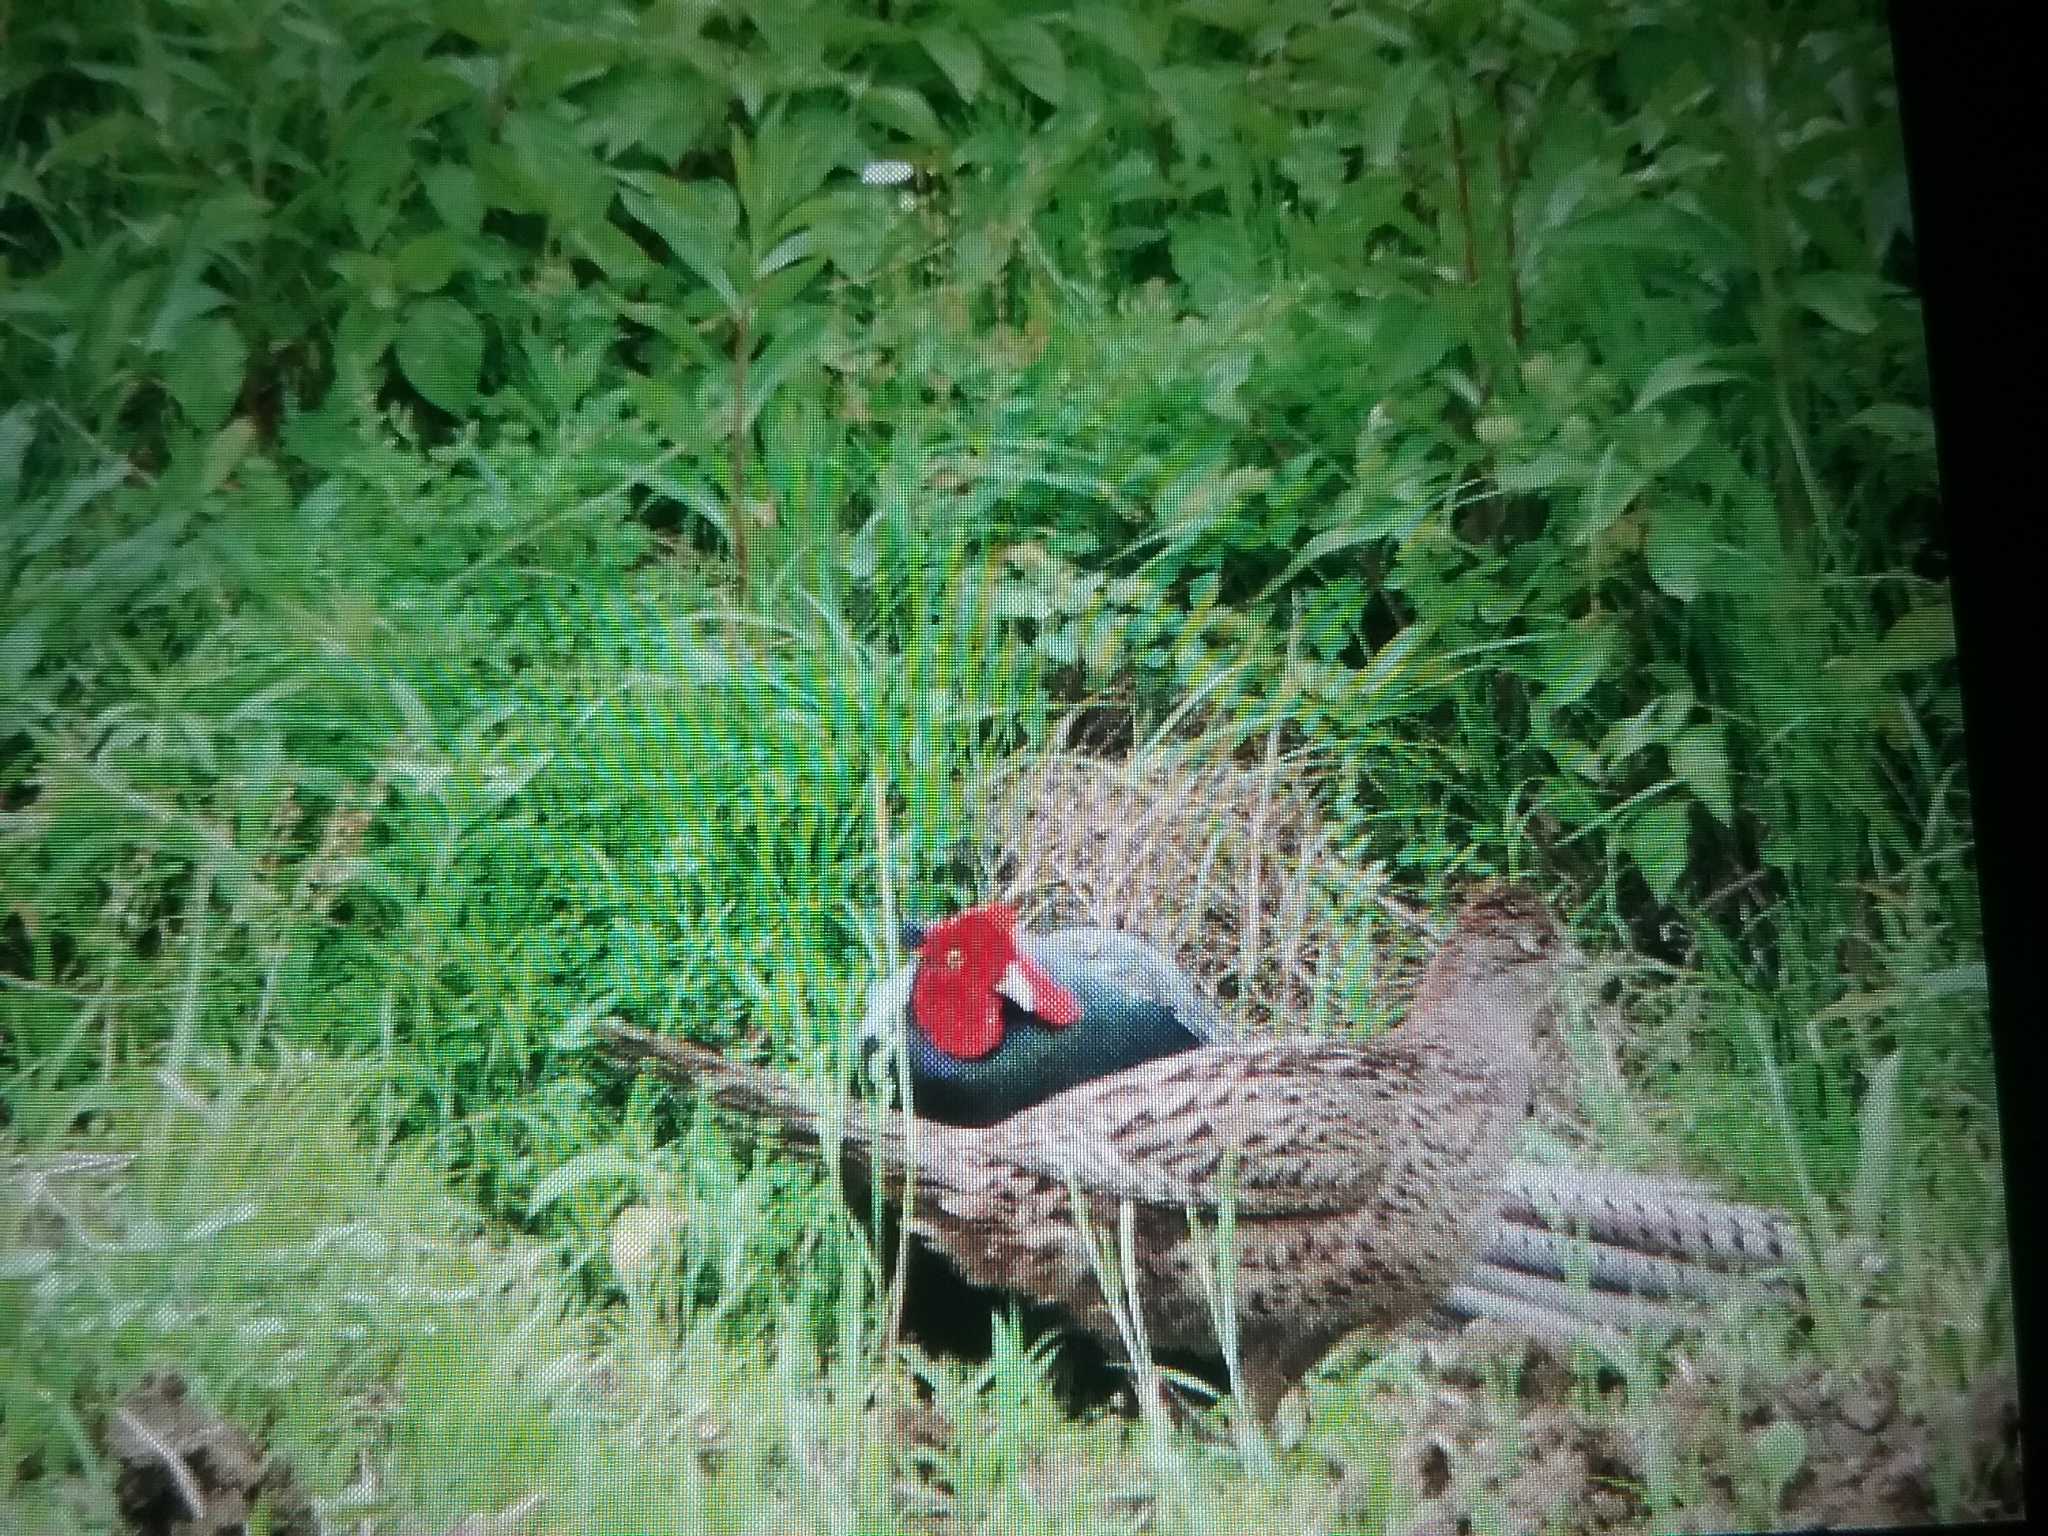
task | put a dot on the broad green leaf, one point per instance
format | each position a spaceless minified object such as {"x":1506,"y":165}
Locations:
{"x":1920,"y":638}
{"x":1329,"y":542}
{"x":1906,"y":427}
{"x":1689,"y":370}
{"x":427,"y":262}
{"x":1570,"y":662}
{"x":956,"y":54}
{"x":441,"y":352}
{"x":1699,"y":760}
{"x":1537,"y":474}
{"x":905,"y":110}
{"x":1657,"y":721}
{"x":1383,"y":123}
{"x":204,"y":374}
{"x":1780,"y":1453}
{"x":1031,"y":53}
{"x":21,"y":648}
{"x":1406,"y":336}
{"x":1656,"y":841}
{"x":1616,"y":483}
{"x":1661,"y":441}
{"x":17,"y":431}
{"x":452,"y":191}
{"x":695,"y":220}
{"x":1840,"y":298}
{"x":185,"y":301}
{"x":1680,"y":548}
{"x":359,"y":342}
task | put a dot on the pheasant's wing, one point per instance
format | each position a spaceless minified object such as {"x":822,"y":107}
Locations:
{"x":1285,"y":1127}
{"x":1131,"y":965}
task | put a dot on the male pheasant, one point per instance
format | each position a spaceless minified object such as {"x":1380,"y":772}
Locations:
{"x":1363,"y":1177}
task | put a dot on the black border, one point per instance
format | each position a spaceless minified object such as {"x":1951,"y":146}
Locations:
{"x":1970,"y":92}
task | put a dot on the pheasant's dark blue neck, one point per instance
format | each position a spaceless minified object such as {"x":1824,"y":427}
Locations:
{"x":1116,"y":1030}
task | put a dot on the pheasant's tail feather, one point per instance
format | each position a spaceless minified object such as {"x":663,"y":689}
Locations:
{"x":1558,"y":1313}
{"x":732,"y":1086}
{"x":1600,"y":1250}
{"x":755,"y":1093}
{"x":1526,"y":1250}
{"x":1650,"y":1216}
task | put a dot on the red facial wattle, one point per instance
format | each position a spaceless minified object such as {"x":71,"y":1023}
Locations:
{"x":965,"y":967}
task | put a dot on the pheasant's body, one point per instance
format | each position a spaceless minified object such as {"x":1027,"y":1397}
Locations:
{"x":1364,"y":1181}
{"x":1362,"y":1178}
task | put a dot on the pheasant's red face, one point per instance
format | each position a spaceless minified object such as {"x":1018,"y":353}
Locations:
{"x":966,"y":966}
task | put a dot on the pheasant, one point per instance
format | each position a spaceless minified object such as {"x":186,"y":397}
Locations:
{"x":994,"y":1019}
{"x":1363,"y":1177}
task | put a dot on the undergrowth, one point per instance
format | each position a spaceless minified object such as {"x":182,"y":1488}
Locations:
{"x":511,"y":515}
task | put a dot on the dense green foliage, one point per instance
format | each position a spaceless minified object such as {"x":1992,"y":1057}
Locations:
{"x":490,"y":494}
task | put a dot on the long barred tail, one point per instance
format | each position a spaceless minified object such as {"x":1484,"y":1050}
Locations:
{"x":804,"y":1111}
{"x":731,"y":1085}
{"x":1650,"y":1215}
{"x":1650,"y":1250}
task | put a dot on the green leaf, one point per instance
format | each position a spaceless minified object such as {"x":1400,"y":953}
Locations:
{"x":695,"y":220}
{"x":1840,"y":298}
{"x":1680,"y":548}
{"x":17,"y":431}
{"x":957,"y":56}
{"x":227,"y":449}
{"x":1537,"y":474}
{"x":1657,"y":840}
{"x":1907,"y":428}
{"x":1210,"y":256}
{"x":204,"y":375}
{"x":359,"y":342}
{"x":1329,"y":542}
{"x":1877,"y":1147}
{"x":441,"y":353}
{"x":1689,"y":370}
{"x":1031,"y":53}
{"x":452,"y":191}
{"x":905,"y":110}
{"x":1657,"y":721}
{"x":1780,"y":1453}
{"x":1571,"y":662}
{"x":1616,"y":483}
{"x":21,"y":648}
{"x":1921,"y":638}
{"x":1661,"y":442}
{"x":1699,"y":761}
{"x":1405,"y":337}
{"x":584,"y":1168}
{"x":427,"y":262}
{"x":184,"y":301}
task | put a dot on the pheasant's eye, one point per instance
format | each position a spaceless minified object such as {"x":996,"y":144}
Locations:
{"x":955,"y":958}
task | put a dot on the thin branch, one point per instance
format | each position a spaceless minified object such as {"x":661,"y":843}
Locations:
{"x":1505,"y":164}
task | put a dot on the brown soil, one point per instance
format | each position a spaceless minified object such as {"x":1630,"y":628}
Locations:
{"x":186,"y":1472}
{"x":1563,"y":1457}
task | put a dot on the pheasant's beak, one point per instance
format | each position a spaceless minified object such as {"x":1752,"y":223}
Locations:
{"x":1016,"y":986}
{"x":1027,"y":985}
